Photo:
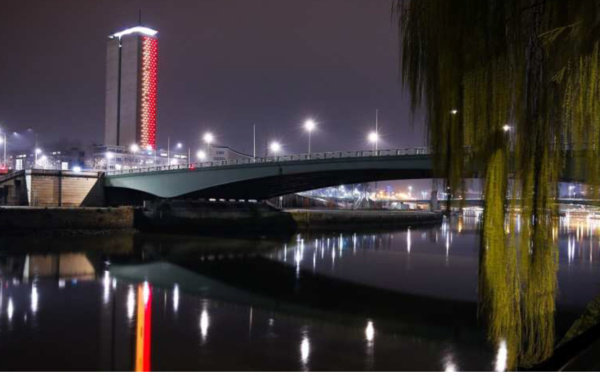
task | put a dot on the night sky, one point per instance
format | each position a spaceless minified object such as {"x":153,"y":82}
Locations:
{"x":223,"y":65}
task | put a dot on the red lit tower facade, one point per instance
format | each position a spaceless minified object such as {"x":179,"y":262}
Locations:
{"x":131,"y":88}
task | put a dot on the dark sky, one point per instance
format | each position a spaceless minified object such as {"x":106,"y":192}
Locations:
{"x":223,"y":65}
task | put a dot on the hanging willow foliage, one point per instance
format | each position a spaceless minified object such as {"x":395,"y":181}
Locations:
{"x":475,"y":66}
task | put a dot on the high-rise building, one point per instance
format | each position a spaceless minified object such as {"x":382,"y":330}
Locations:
{"x":131,"y":82}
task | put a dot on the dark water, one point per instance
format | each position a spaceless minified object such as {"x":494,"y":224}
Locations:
{"x":405,"y":299}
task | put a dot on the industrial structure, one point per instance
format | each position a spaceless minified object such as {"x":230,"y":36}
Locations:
{"x":131,"y":87}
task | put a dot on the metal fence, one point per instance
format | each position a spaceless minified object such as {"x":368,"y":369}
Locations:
{"x":279,"y":159}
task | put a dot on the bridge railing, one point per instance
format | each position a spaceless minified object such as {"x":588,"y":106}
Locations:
{"x":279,"y":158}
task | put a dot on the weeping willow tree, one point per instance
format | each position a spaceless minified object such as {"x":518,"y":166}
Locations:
{"x":510,"y":88}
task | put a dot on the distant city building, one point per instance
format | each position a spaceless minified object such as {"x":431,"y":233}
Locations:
{"x":60,"y":159}
{"x":131,"y":86}
{"x":122,"y":158}
{"x":221,"y":153}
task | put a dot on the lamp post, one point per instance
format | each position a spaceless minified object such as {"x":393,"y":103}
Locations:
{"x":134,"y":148}
{"x":37,"y":151}
{"x":168,"y":151}
{"x":109,"y":155}
{"x":275,"y":147}
{"x":208,"y":139}
{"x":201,"y":155}
{"x":309,"y":125}
{"x":374,"y":139}
{"x":44,"y":161}
{"x":571,"y":187}
{"x":4,"y":142}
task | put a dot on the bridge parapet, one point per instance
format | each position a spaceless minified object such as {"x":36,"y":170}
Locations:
{"x":281,"y":158}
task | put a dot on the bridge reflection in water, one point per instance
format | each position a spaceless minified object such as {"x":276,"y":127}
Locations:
{"x":201,"y":305}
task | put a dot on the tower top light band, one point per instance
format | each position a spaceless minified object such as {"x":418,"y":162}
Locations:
{"x":138,"y":29}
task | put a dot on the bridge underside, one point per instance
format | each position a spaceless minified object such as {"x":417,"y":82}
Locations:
{"x":263,"y":181}
{"x":269,"y":187}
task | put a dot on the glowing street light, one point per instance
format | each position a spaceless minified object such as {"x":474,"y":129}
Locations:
{"x":37,"y":152}
{"x":454,"y":111}
{"x":506,"y":128}
{"x":179,"y":145}
{"x":374,"y":139}
{"x":309,"y":126}
{"x":201,"y":155}
{"x":109,"y":155}
{"x":275,"y":147}
{"x":134,"y":148}
{"x":208,"y":138}
{"x":4,"y":142}
{"x":571,"y":188}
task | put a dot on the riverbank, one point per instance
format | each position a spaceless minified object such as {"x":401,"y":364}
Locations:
{"x":231,"y":218}
{"x":65,"y":220}
{"x":350,"y":219}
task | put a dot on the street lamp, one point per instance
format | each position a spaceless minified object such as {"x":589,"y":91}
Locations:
{"x":309,"y":125}
{"x":4,"y":142}
{"x":201,"y":155}
{"x":44,"y":161}
{"x":134,"y":148}
{"x":506,"y":127}
{"x":275,"y":147}
{"x":179,"y":145}
{"x":37,"y":152}
{"x":208,"y":138}
{"x":109,"y":155}
{"x":571,"y":187}
{"x":374,"y":139}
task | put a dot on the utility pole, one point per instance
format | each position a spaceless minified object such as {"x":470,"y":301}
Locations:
{"x":5,"y":142}
{"x":168,"y":151}
{"x":376,"y":129}
{"x":254,"y":142}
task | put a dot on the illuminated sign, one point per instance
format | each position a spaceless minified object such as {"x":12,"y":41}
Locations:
{"x":138,"y":29}
{"x":149,"y":82}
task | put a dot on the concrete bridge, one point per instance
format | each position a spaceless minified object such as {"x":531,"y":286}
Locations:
{"x":264,"y":178}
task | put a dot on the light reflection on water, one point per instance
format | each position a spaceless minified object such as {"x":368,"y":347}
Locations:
{"x":438,"y":262}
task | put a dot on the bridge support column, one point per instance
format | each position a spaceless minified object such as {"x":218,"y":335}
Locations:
{"x":433,"y":202}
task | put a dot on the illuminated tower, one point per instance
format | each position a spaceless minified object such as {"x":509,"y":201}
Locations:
{"x":131,"y":82}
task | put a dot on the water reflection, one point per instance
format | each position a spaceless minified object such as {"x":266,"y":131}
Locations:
{"x":501,"y":356}
{"x":304,"y":350}
{"x":518,"y":277}
{"x":239,"y":295}
{"x":106,"y":284}
{"x":204,"y":323}
{"x":175,"y":298}
{"x":370,"y":332}
{"x":449,"y":363}
{"x":130,"y":302}
{"x":10,"y":309}
{"x":143,"y":327}
{"x":34,"y":299}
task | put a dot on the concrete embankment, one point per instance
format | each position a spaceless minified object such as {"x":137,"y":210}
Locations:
{"x":33,"y":219}
{"x":231,"y":218}
{"x":221,"y":218}
{"x":350,"y":219}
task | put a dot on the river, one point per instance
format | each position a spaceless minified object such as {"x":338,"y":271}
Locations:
{"x":406,"y":299}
